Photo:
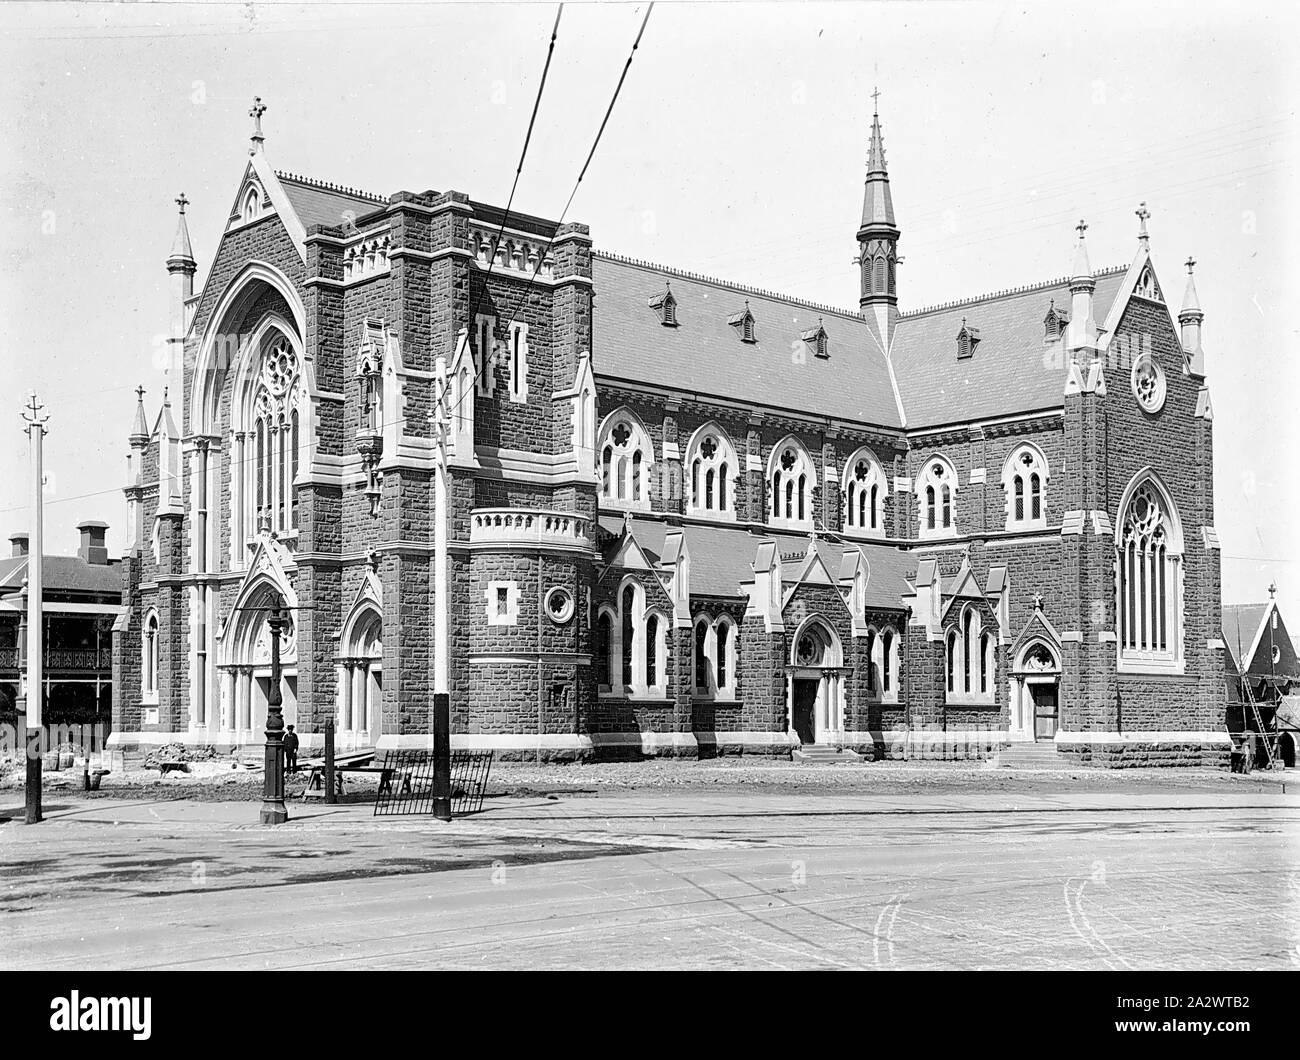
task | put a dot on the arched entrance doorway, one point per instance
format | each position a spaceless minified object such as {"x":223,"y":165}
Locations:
{"x":815,"y":684}
{"x":360,"y":678}
{"x":246,"y":673}
{"x":1286,"y":749}
{"x":1035,"y":693}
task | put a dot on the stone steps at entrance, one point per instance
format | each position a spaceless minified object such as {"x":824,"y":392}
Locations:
{"x":816,"y":754}
{"x":1031,"y":756}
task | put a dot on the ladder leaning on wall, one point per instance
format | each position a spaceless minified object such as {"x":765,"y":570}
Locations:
{"x":1268,"y":739}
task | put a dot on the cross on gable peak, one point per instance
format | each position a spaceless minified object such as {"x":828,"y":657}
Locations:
{"x":182,"y":202}
{"x":1081,"y":227}
{"x":255,"y":112}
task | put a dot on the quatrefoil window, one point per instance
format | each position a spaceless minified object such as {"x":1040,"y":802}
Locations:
{"x":708,"y":447}
{"x":788,"y":459}
{"x":621,"y":435}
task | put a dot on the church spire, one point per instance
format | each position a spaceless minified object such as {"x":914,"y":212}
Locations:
{"x":878,"y":235}
{"x":139,"y":436}
{"x":1189,"y":321}
{"x":182,"y":253}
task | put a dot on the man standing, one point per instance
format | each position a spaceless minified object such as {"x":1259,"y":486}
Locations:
{"x":290,"y":750}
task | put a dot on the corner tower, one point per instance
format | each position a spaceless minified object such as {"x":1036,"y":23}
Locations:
{"x":878,"y":239}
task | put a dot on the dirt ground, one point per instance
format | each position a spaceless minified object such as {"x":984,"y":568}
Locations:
{"x":217,"y":781}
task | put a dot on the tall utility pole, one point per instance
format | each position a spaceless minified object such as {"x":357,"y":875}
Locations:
{"x":440,"y":417}
{"x":35,"y":418}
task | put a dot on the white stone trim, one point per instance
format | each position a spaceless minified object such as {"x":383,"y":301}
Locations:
{"x":902,"y":484}
{"x":650,"y":743}
{"x":1139,"y":738}
{"x":1071,"y":636}
{"x":508,"y":617}
{"x":672,"y":451}
{"x":488,"y":741}
{"x":978,"y":476}
{"x":1072,"y":522}
{"x":1210,"y":536}
{"x":1107,"y":636}
{"x":753,"y":463}
{"x":745,"y":738}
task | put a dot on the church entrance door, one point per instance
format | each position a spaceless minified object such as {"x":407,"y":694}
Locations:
{"x":805,"y":703}
{"x":1045,"y":710}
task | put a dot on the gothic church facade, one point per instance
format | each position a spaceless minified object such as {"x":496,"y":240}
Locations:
{"x":684,"y":516}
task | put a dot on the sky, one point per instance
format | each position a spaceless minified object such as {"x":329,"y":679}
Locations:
{"x":736,"y":149}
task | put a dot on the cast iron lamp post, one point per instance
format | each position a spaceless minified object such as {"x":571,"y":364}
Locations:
{"x":273,"y":809}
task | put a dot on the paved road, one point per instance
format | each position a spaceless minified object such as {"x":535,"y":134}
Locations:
{"x":665,"y":880}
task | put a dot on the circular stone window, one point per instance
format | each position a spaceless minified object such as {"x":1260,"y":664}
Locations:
{"x":559,"y":604}
{"x":1148,"y":381}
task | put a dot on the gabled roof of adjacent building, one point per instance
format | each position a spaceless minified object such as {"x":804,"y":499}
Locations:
{"x":64,"y":574}
{"x":1246,"y":636}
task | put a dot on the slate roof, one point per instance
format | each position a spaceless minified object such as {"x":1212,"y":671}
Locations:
{"x":316,"y":203}
{"x":722,"y":557}
{"x":705,"y":355}
{"x":64,"y":574}
{"x":1240,"y":624}
{"x":1006,"y":374}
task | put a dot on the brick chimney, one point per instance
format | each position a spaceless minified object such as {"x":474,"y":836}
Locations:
{"x":93,"y":549}
{"x":19,"y":539}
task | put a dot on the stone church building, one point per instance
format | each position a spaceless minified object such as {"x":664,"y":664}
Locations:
{"x":684,"y":516}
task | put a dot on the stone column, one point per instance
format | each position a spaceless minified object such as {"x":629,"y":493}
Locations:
{"x":343,"y":694}
{"x":360,"y":707}
{"x":227,"y":700}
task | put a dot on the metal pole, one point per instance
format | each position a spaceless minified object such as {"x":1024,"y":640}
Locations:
{"x":441,"y":654}
{"x":330,"y":795}
{"x":273,"y":808}
{"x":35,"y":419}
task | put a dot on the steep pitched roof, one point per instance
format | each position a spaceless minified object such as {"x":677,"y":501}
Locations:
{"x":1241,"y":625}
{"x":722,"y":557}
{"x":1250,"y":641}
{"x":319,"y":203}
{"x":1008,"y":372}
{"x":704,"y":355}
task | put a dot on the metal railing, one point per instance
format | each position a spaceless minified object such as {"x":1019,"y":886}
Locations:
{"x":62,"y":659}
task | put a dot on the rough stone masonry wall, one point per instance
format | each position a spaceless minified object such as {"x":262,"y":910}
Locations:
{"x":1177,"y":446}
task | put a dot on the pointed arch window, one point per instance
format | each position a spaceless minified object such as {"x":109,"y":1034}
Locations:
{"x":936,"y":491}
{"x":1149,"y":582}
{"x":632,"y":645}
{"x":149,"y":658}
{"x":791,"y":477}
{"x":864,"y":490}
{"x":267,"y":475}
{"x":969,"y":659}
{"x":252,"y":205}
{"x":625,"y":461}
{"x":713,"y":468}
{"x":1024,"y":481}
{"x":889,"y":665}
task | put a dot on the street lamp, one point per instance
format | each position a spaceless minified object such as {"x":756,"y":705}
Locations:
{"x":273,"y":808}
